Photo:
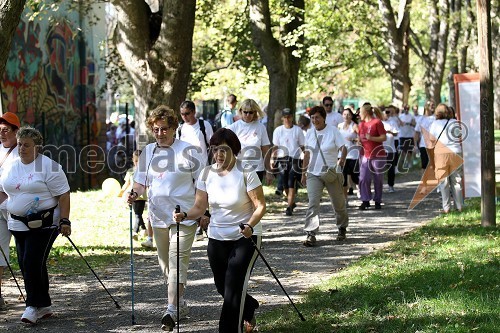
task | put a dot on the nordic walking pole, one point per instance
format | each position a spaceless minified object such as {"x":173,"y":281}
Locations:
{"x":12,"y":272}
{"x":242,"y":227}
{"x":132,"y":262}
{"x":102,"y":284}
{"x":178,"y":210}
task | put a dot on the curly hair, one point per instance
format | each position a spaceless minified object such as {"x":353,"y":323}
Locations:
{"x":164,"y":113}
{"x":28,"y":132}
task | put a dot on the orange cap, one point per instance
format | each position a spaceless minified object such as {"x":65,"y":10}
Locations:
{"x":11,"y":119}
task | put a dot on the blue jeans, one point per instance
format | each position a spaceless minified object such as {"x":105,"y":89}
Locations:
{"x":33,"y":248}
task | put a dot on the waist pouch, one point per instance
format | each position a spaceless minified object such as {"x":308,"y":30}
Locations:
{"x":41,"y":219}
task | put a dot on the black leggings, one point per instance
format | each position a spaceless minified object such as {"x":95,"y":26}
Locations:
{"x":139,"y":206}
{"x":231,"y":263}
{"x":33,"y":248}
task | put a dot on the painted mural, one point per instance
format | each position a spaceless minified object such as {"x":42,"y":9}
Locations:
{"x":50,"y":81}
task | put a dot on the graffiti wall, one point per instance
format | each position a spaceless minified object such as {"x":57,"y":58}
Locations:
{"x":52,"y":78}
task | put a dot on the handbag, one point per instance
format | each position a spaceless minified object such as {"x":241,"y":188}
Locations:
{"x":330,"y":175}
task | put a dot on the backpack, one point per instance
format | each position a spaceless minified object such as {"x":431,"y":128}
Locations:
{"x":202,"y":129}
{"x":218,"y":119}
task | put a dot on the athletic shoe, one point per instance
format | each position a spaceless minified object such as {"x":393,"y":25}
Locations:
{"x":3,"y":305}
{"x":30,"y":315}
{"x":45,"y":312}
{"x":170,"y":317}
{"x":351,"y":191}
{"x":391,"y":189}
{"x":289,"y":211}
{"x":148,"y":243}
{"x":310,"y":240}
{"x":199,"y":234}
{"x":135,"y":236}
{"x":378,"y":205}
{"x":364,"y":205}
{"x":341,"y":234}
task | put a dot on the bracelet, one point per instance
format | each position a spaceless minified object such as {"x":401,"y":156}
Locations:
{"x":251,"y":228}
{"x":185,"y":215}
{"x":64,"y":221}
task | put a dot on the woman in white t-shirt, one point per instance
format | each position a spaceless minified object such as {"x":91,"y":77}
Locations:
{"x":38,"y":204}
{"x":167,"y":169}
{"x":349,"y":130}
{"x":323,"y":144}
{"x":445,"y":138}
{"x":236,"y":198}
{"x":254,"y":139}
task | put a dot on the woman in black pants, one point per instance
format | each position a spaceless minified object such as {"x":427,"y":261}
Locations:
{"x":236,"y":197}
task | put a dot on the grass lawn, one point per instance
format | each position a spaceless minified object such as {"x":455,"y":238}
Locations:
{"x":443,"y":277}
{"x":497,"y":136}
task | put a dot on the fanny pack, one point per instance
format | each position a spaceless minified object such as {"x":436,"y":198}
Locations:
{"x":41,"y":219}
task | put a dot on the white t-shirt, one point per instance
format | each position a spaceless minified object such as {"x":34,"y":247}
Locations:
{"x":406,"y":130}
{"x":169,"y":174}
{"x":389,"y":144}
{"x":395,"y":123}
{"x":252,"y":137}
{"x":350,"y":135}
{"x":192,"y":134}
{"x":334,"y":119}
{"x":12,"y":156}
{"x":229,"y":201}
{"x":447,"y":139}
{"x":42,"y":178}
{"x":288,"y":141}
{"x":331,"y":141}
{"x":423,"y":127}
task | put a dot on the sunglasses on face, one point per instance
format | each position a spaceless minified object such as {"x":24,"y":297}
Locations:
{"x":248,"y":112}
{"x":328,"y":104}
{"x":185,"y":113}
{"x":157,"y":130}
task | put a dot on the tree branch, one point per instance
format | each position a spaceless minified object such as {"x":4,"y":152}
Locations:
{"x":377,"y":55}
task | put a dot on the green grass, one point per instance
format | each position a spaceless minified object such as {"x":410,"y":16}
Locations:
{"x":497,"y":136}
{"x":443,"y":277}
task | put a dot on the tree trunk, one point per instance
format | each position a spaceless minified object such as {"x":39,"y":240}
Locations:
{"x":156,"y":49}
{"x":495,"y":42}
{"x":454,"y":35}
{"x":281,"y":62}
{"x":396,"y":35}
{"x":10,"y":15}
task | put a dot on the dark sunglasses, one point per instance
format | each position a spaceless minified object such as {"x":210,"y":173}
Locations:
{"x":328,"y":104}
{"x":248,"y":112}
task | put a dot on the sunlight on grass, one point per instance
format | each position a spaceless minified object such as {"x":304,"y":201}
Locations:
{"x":442,"y":277}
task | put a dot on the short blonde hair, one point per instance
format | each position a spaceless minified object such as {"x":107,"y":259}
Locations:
{"x":251,"y":105}
{"x":164,"y":113}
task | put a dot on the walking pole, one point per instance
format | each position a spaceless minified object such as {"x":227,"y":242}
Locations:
{"x":242,"y":226}
{"x":12,"y":272}
{"x":178,"y":210}
{"x":132,"y":262}
{"x":102,"y":284}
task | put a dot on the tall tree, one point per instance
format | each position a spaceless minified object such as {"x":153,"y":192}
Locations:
{"x":156,"y":50}
{"x":280,"y":54}
{"x":396,"y":28}
{"x":454,"y":36}
{"x":10,"y":14}
{"x":434,"y":57}
{"x":495,"y":42}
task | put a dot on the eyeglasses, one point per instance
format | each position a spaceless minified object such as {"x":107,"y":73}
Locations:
{"x":328,"y":104}
{"x":185,"y":113}
{"x":157,"y":130}
{"x":248,"y":112}
{"x":222,"y":149}
{"x":5,"y":130}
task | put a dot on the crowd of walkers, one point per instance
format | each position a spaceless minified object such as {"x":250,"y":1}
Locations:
{"x":198,"y":182}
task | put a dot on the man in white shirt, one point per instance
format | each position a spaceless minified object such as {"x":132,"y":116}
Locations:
{"x":406,"y":133}
{"x":333,"y":118}
{"x":197,"y":132}
{"x":9,"y":124}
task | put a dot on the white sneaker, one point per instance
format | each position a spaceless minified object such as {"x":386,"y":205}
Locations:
{"x":170,"y":317}
{"x":148,"y":243}
{"x":30,"y":315}
{"x":45,"y":312}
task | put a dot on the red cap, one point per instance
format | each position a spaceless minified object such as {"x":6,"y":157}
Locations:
{"x":11,"y":119}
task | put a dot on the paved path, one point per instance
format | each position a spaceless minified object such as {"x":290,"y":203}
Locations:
{"x":82,"y":305}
